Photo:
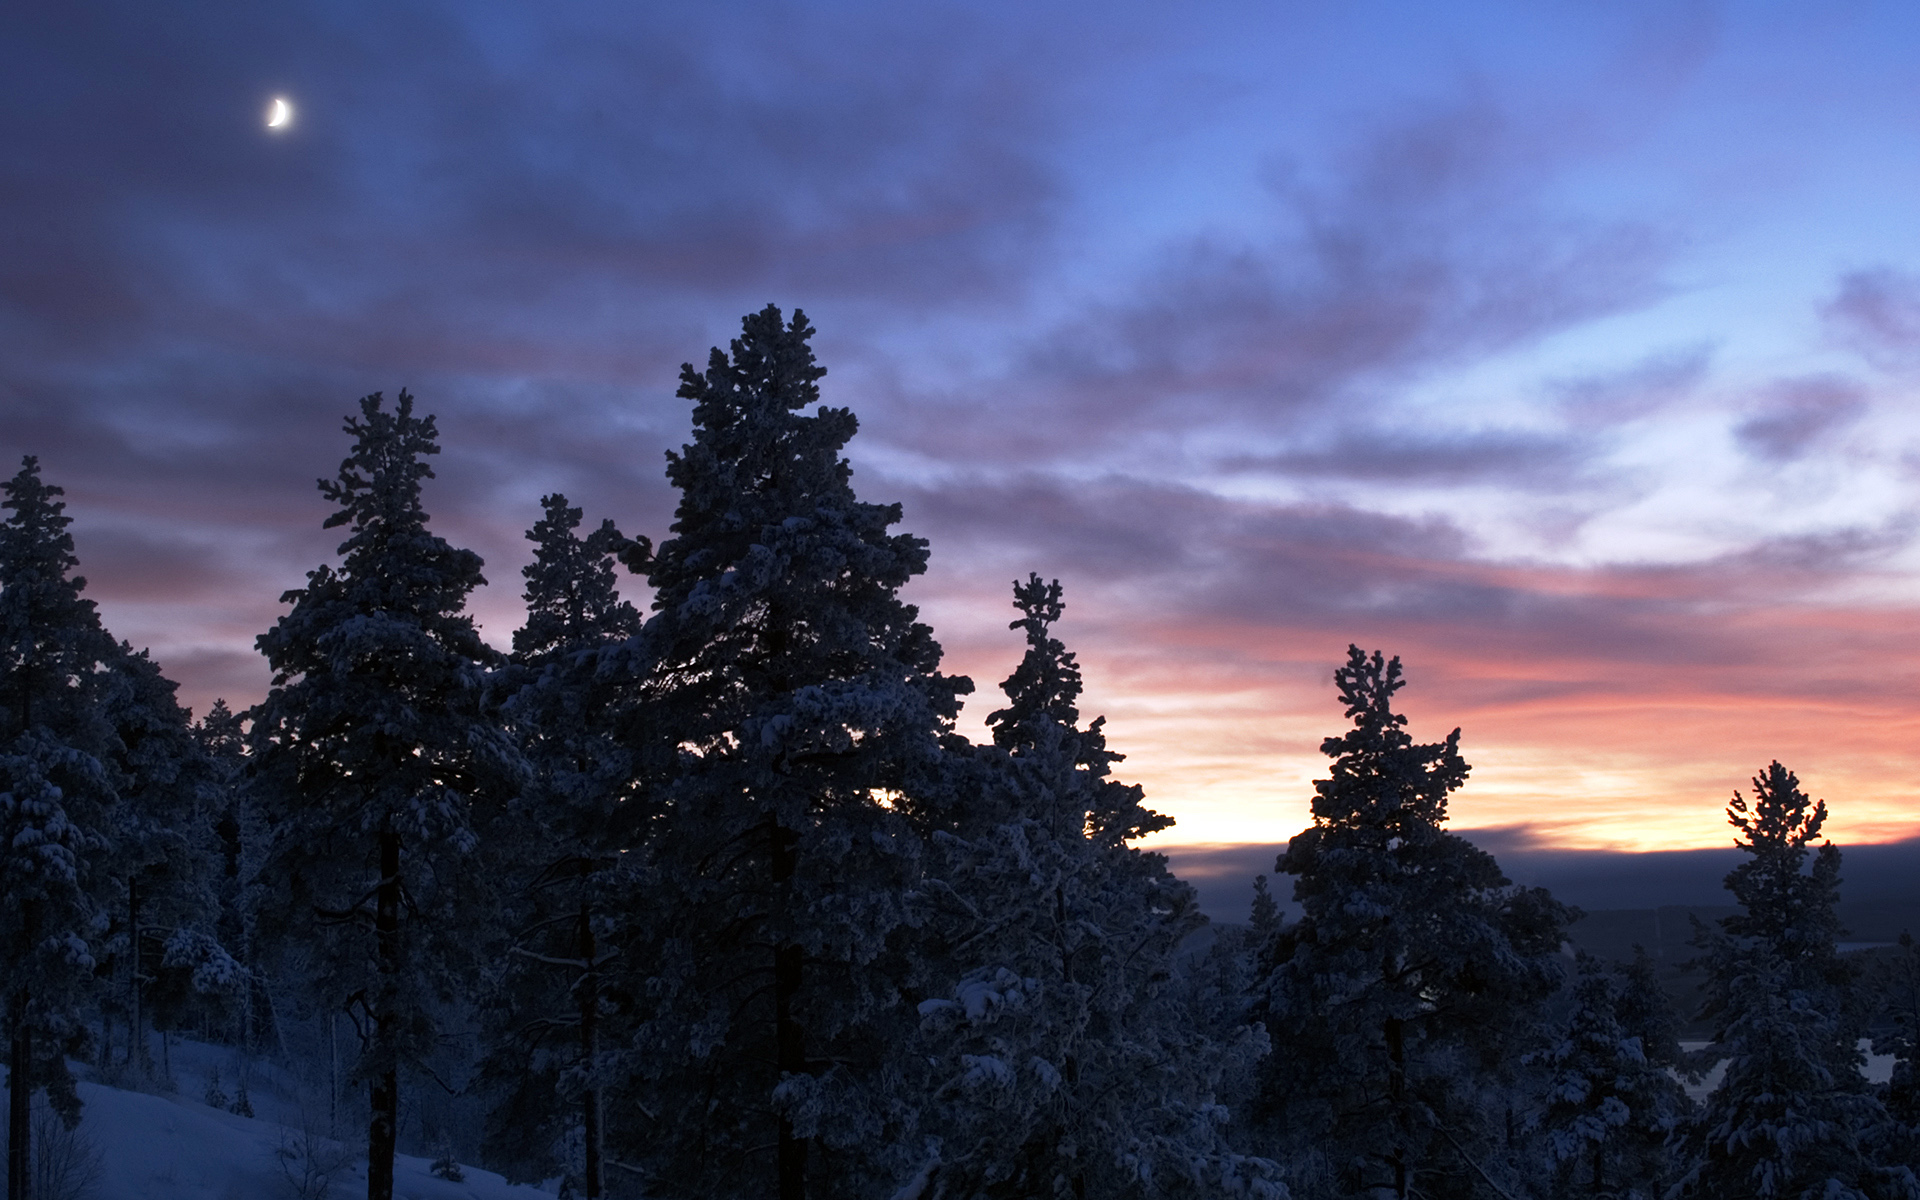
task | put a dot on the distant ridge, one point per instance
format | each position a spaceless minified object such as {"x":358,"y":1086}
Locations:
{"x":1880,"y":892}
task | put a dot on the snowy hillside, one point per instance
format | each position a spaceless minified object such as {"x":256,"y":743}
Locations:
{"x":173,"y":1147}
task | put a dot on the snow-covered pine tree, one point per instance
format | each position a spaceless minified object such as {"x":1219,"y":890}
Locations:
{"x":1058,"y":1055}
{"x":1611,"y":1106}
{"x":1401,"y":1000}
{"x":161,"y":881}
{"x":222,"y":739}
{"x":1793,"y":1116}
{"x":561,"y":844}
{"x":798,"y":723}
{"x":1899,"y":1036}
{"x":370,"y":757}
{"x":57,"y":800}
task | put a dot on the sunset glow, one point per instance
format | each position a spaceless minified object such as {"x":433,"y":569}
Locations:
{"x":1568,"y":353}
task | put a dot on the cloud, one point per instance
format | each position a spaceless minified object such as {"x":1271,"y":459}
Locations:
{"x":1798,"y":415}
{"x":1519,"y":459}
{"x":1636,"y":390}
{"x":473,"y":180}
{"x":1427,"y":247}
{"x":1877,"y":312}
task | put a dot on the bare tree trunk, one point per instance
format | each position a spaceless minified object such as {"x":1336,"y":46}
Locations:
{"x":789,"y":1037}
{"x":589,"y":1028}
{"x":136,"y":1027}
{"x":383,"y":1127}
{"x":1397,"y":1089}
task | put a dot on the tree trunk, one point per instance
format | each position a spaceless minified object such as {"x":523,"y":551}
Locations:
{"x":789,"y":1037}
{"x":136,"y":1029}
{"x":383,"y":1126}
{"x":19,"y":1101}
{"x":1397,"y":1089}
{"x":589,"y":1024}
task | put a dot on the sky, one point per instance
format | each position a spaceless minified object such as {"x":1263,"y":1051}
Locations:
{"x":1564,"y":351}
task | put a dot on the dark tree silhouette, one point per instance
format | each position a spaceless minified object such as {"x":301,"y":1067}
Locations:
{"x":1404,"y":996}
{"x":798,"y":708}
{"x":370,"y":755}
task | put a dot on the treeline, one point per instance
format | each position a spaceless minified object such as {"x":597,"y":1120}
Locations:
{"x":716,"y":902}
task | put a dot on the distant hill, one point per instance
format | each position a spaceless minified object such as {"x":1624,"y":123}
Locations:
{"x":1880,"y":889}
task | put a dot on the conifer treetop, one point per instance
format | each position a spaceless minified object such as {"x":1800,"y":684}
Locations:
{"x":1379,"y":775}
{"x":1786,"y":903}
{"x":36,"y":554}
{"x":777,"y":577}
{"x":391,"y":566}
{"x":1045,"y":685}
{"x":35,"y":538}
{"x":572,"y":594}
{"x":379,"y":482}
{"x":49,"y":632}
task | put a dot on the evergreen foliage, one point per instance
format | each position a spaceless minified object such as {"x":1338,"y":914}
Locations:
{"x":798,"y":718}
{"x":371,"y":759}
{"x":1900,"y":1037}
{"x":161,"y":882}
{"x":1401,"y":1001}
{"x":561,"y":843}
{"x":734,"y":910}
{"x":1793,"y":1117}
{"x":222,"y":740}
{"x":1060,"y":1055}
{"x":1611,"y":1104}
{"x":58,"y":800}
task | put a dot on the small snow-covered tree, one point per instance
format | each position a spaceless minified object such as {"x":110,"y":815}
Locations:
{"x":561,"y":843}
{"x":1793,"y":1116}
{"x":1059,"y":1054}
{"x":797,"y":717}
{"x":58,"y":800}
{"x":1900,"y":1037}
{"x":371,"y":755}
{"x":1402,"y":999}
{"x":1611,"y":1105}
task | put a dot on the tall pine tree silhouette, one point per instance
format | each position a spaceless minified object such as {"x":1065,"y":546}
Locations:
{"x":561,"y":843}
{"x":369,"y":756}
{"x":799,"y":712}
{"x":1057,"y":1054}
{"x":1793,"y":1115}
{"x":1398,"y":995}
{"x":57,"y":799}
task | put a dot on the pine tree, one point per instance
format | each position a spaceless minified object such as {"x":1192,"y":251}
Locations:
{"x":1059,"y":1053}
{"x":798,"y":717}
{"x":221,"y":737}
{"x":163,"y":875}
{"x":1264,"y":919}
{"x":1793,"y":1116}
{"x":564,"y":837}
{"x":57,"y":800}
{"x":371,"y":757}
{"x":1900,"y":1037}
{"x":1402,"y":999}
{"x":1611,"y":1105}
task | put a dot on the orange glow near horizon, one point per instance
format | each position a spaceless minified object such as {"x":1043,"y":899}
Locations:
{"x":1578,"y":747}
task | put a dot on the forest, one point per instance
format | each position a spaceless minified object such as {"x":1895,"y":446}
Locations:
{"x":713,"y":900}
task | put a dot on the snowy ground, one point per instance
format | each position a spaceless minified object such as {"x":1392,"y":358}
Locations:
{"x":173,"y":1147}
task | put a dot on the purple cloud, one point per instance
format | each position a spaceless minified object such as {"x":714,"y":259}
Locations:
{"x":1798,"y":414}
{"x":1878,"y":312}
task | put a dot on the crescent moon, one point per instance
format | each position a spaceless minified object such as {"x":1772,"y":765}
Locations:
{"x":279,"y":113}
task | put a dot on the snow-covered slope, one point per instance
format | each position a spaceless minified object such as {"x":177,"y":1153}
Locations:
{"x":172,"y":1147}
